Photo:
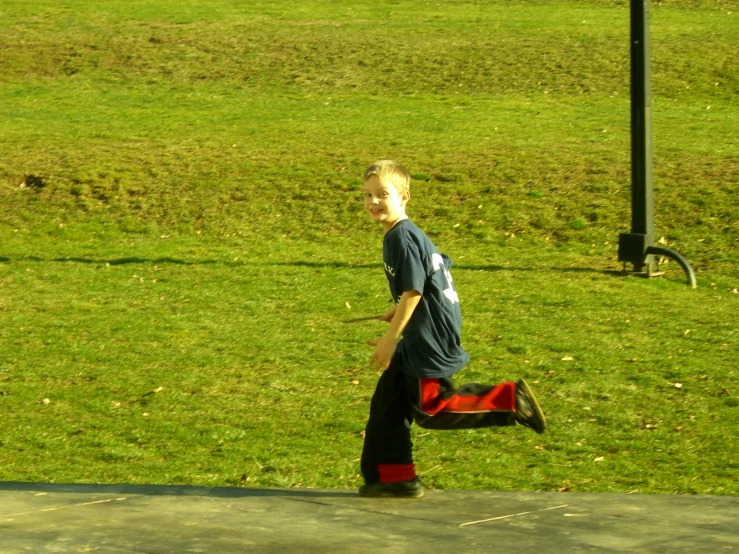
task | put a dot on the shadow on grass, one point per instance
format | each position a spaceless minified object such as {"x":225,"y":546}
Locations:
{"x":166,"y":490}
{"x":533,"y":269}
{"x":117,"y":261}
{"x":300,"y":263}
{"x":175,"y":261}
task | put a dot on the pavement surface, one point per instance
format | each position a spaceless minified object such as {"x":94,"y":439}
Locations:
{"x":38,"y":517}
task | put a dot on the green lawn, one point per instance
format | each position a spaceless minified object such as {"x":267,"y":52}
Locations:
{"x":181,"y":237}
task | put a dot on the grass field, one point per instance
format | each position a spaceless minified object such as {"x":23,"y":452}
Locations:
{"x":181,"y":237}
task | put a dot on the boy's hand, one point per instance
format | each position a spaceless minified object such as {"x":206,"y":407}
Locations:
{"x":388,"y":316}
{"x":384,"y":350}
{"x":398,"y":317}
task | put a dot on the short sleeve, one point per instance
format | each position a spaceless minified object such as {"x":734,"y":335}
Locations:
{"x":410,"y":273}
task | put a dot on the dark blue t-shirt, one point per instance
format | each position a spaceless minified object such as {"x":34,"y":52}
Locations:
{"x":431,"y":343}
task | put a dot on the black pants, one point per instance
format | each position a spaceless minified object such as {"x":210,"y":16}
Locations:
{"x":400,"y":399}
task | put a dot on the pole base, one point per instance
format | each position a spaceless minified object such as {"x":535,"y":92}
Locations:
{"x":647,"y":271}
{"x":648,"y":268}
{"x":632,"y":248}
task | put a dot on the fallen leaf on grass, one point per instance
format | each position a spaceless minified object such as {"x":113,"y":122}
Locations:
{"x":355,"y":382}
{"x":348,"y":306}
{"x":568,"y":359}
{"x":599,"y":459}
{"x":565,"y":486}
{"x":362,"y":433}
{"x":45,"y":401}
{"x":649,"y":427}
{"x":160,"y":389}
{"x":678,"y":385}
{"x":540,"y":447}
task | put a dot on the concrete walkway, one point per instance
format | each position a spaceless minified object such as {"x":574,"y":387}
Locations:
{"x":36,"y":517}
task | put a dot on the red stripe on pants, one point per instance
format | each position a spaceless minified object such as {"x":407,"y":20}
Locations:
{"x":395,"y":473}
{"x":498,"y":398}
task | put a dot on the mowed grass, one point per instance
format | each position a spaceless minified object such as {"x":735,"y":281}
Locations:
{"x":182,"y":237}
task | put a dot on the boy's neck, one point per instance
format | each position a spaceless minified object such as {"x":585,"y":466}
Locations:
{"x":389,"y":226}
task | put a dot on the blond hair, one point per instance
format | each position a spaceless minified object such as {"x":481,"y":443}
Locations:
{"x":391,"y":172}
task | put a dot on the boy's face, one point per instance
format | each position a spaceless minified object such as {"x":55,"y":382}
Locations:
{"x":383,"y":202}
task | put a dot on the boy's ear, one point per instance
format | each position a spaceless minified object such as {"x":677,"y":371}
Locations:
{"x":406,"y":196}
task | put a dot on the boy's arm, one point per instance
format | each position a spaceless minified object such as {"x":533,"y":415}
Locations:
{"x":386,"y":344}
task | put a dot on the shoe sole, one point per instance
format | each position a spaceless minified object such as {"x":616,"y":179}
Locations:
{"x":389,"y":495}
{"x":380,"y":494}
{"x":529,"y":394}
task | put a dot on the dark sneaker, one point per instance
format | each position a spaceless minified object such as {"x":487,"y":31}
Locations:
{"x":402,"y":489}
{"x":528,"y":411}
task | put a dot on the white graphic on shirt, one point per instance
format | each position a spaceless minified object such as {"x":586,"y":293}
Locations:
{"x":438,"y":262}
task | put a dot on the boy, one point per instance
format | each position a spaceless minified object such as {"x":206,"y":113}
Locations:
{"x":416,"y":383}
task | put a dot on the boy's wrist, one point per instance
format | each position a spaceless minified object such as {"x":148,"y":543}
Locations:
{"x":393,"y":336}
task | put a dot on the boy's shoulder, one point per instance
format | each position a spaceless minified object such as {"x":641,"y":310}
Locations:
{"x":407,"y":235}
{"x":406,"y":229}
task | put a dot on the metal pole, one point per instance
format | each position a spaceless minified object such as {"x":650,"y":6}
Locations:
{"x":633,"y":246}
{"x":638,"y":247}
{"x":642,"y":188}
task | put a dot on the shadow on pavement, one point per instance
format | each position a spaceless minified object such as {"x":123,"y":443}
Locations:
{"x":167,"y":490}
